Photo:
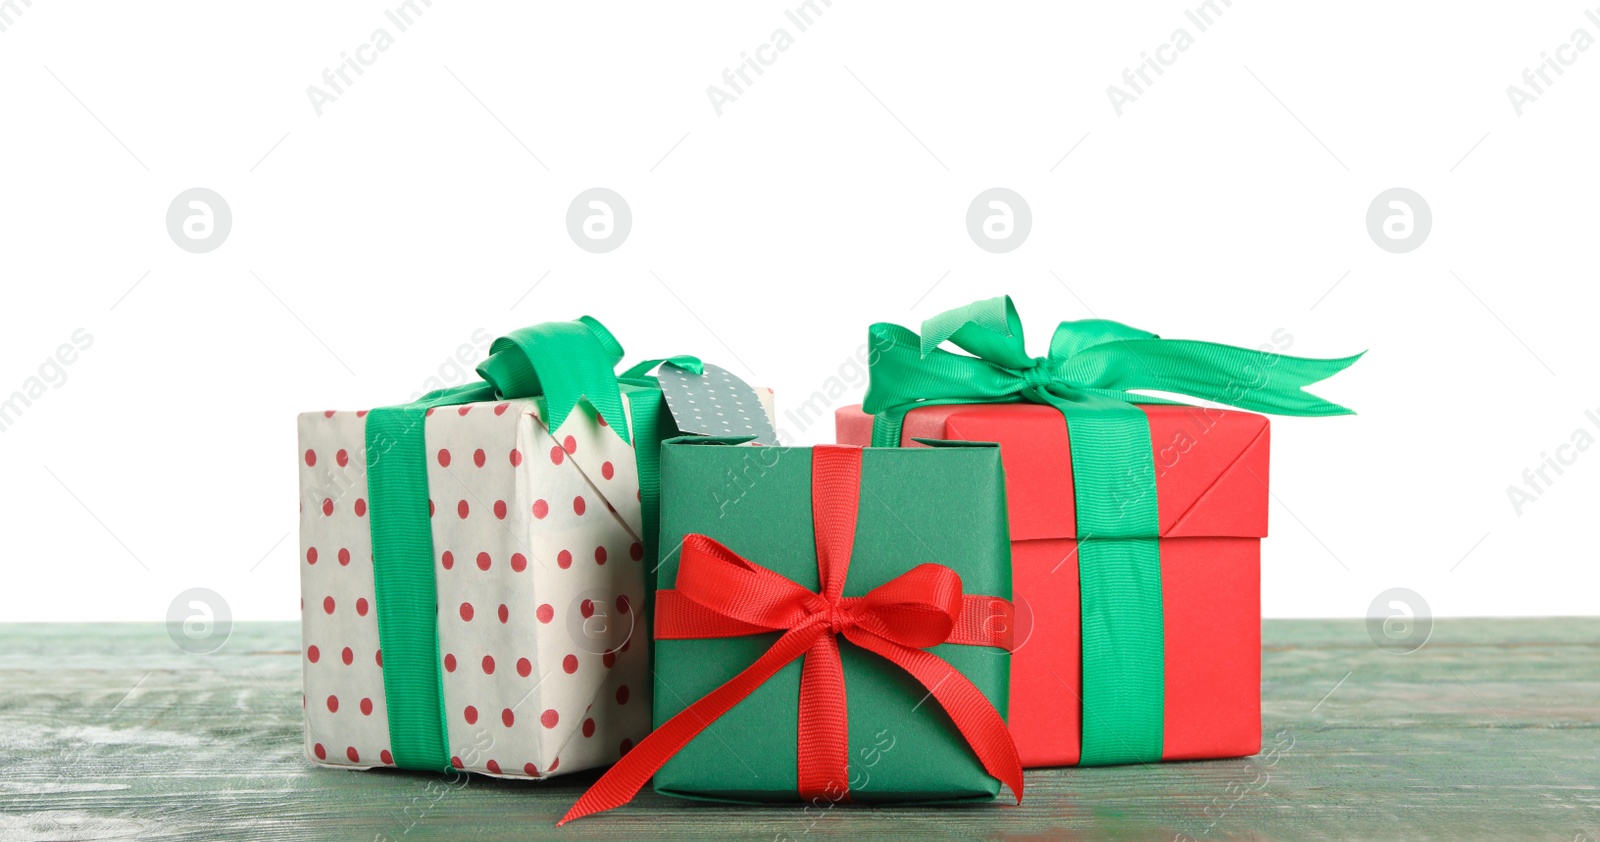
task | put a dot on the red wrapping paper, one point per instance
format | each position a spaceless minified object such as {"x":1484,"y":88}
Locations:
{"x":1211,"y":487}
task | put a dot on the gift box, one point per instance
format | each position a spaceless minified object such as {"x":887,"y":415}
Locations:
{"x":1136,"y":549}
{"x":474,"y":565}
{"x":1213,"y":500}
{"x":832,"y":626}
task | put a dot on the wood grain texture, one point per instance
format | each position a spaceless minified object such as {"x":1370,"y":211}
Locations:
{"x":1490,"y":731}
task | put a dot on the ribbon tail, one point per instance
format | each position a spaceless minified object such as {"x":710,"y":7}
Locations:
{"x":1255,"y":380}
{"x":980,"y":724}
{"x":623,"y":780}
{"x":824,"y":757}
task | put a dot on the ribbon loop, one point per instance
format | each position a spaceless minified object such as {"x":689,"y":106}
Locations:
{"x":565,"y":362}
{"x":719,"y":579}
{"x":989,"y":330}
{"x":918,"y":608}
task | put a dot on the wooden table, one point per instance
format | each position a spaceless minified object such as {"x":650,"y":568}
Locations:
{"x":1491,"y":731}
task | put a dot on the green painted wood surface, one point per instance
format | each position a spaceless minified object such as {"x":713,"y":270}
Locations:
{"x":1490,"y":731}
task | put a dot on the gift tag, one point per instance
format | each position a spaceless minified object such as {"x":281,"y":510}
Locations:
{"x":715,"y":403}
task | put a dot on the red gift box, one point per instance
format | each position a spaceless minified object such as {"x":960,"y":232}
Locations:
{"x":1211,"y":490}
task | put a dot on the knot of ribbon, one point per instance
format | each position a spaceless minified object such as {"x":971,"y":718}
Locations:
{"x":1040,"y":374}
{"x":721,"y":594}
{"x":1091,"y":363}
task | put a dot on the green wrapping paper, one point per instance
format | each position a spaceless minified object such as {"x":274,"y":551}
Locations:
{"x":944,"y":505}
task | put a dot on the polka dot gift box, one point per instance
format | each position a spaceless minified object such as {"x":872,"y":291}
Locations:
{"x":474,"y":565}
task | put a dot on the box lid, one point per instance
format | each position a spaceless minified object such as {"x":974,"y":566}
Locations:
{"x":1211,"y":463}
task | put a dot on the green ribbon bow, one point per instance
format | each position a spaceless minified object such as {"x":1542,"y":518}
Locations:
{"x":1092,"y":362}
{"x":1087,"y":375}
{"x":558,"y":363}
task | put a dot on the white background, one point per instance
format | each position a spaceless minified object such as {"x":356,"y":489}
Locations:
{"x":1227,"y":202}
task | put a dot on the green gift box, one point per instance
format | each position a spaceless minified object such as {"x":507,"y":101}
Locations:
{"x":943,"y":506}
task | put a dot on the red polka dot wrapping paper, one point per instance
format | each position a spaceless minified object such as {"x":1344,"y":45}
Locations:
{"x":540,"y":574}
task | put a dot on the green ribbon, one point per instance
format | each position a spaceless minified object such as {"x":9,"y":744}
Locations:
{"x":1087,"y":375}
{"x":560,"y":364}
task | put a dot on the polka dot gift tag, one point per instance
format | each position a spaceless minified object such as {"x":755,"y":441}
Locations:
{"x":716,"y":403}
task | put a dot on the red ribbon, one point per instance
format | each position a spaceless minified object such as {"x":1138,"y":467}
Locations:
{"x":720,"y":594}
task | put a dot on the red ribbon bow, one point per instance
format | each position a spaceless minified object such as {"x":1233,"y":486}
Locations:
{"x":720,"y":594}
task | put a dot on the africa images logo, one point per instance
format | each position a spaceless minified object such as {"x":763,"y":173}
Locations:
{"x":52,"y":374}
{"x":1537,"y":79}
{"x":1537,"y":480}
